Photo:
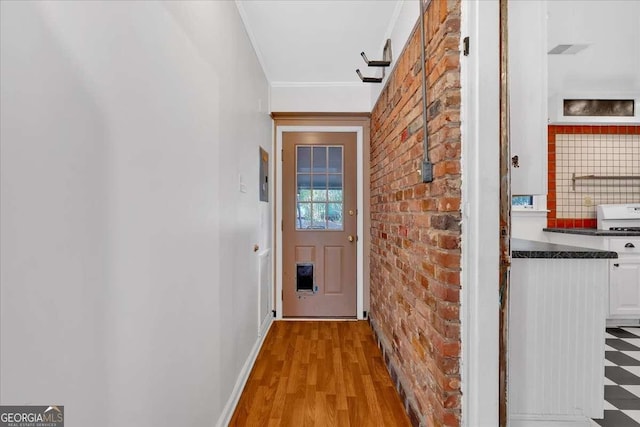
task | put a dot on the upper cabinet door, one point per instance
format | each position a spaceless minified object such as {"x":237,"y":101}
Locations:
{"x":528,"y":96}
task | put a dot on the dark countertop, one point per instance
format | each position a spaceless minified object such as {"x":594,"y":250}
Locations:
{"x":592,"y":232}
{"x":531,"y":249}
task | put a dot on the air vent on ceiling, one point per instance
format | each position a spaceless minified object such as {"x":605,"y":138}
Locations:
{"x":567,"y":49}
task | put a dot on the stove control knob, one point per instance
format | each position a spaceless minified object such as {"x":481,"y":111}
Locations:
{"x":629,"y":245}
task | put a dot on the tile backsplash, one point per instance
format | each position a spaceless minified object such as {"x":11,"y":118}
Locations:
{"x":590,"y":171}
{"x":589,"y":166}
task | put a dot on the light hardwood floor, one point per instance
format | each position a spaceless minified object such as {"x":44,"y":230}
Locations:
{"x":319,"y":374}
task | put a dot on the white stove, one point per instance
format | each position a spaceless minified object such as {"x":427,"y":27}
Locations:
{"x":625,"y":217}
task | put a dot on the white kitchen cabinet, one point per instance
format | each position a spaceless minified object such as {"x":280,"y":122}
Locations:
{"x":624,"y":272}
{"x":626,"y":247}
{"x":624,"y":278}
{"x":624,"y":289}
{"x":528,"y":96}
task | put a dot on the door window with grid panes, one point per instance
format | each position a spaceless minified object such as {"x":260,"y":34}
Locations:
{"x":319,"y":186}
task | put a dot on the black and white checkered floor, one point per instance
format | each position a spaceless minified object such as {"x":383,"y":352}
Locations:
{"x":622,"y":378}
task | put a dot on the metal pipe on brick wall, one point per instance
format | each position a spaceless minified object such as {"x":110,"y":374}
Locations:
{"x":427,"y":167}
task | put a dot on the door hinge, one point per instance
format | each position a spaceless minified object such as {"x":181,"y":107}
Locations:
{"x":465,"y":46}
{"x":282,"y":225}
{"x":282,"y":295}
{"x":282,"y":155}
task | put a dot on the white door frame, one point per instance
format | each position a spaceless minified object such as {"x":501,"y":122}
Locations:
{"x":358,"y":130}
{"x":480,"y":116}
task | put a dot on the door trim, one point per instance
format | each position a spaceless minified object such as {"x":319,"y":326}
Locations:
{"x":359,"y":131}
{"x":479,"y":310}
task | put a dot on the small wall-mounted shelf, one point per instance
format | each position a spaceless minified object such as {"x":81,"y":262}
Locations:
{"x":575,"y":178}
{"x":385,"y":62}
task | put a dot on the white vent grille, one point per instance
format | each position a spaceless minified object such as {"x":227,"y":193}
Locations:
{"x":567,"y":49}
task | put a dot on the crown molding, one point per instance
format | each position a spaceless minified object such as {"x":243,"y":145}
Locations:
{"x":252,"y":37}
{"x":392,"y":22}
{"x":316,"y":84}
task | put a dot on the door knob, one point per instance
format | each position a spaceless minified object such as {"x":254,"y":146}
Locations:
{"x":351,"y":238}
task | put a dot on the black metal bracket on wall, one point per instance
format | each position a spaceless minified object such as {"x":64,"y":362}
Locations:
{"x":370,"y":79}
{"x":385,"y":62}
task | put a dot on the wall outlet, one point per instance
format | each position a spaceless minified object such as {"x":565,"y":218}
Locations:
{"x":587,"y":201}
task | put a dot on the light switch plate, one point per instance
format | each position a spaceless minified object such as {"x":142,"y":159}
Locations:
{"x":242,"y":185}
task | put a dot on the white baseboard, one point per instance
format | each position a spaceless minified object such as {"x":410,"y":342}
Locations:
{"x":227,"y":412}
{"x":266,"y":323}
{"x":548,"y":421}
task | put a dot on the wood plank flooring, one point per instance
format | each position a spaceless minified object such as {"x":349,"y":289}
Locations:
{"x":319,"y":374}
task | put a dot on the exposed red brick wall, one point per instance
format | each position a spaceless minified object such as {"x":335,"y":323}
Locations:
{"x":553,"y":219}
{"x":415,"y":227}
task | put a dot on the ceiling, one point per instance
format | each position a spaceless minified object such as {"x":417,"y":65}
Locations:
{"x":317,"y":41}
{"x":611,"y":61}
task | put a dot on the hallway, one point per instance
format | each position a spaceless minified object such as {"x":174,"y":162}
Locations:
{"x":149,"y":207}
{"x":319,"y":373}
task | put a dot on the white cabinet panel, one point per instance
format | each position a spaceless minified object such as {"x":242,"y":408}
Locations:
{"x":581,"y":240}
{"x":624,"y":289}
{"x":556,"y":341}
{"x":624,"y":278}
{"x":624,"y":272}
{"x":528,"y":95}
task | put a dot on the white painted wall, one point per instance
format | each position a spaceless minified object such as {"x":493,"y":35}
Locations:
{"x":320,"y":97}
{"x":528,"y":225}
{"x":128,"y":277}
